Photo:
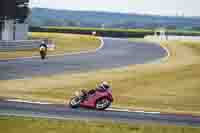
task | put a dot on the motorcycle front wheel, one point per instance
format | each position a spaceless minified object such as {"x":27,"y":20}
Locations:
{"x":43,"y":55}
{"x":103,"y":104}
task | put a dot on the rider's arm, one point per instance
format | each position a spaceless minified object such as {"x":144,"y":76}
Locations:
{"x":92,"y":91}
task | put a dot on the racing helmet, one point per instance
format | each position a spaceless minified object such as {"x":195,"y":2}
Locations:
{"x":104,"y":86}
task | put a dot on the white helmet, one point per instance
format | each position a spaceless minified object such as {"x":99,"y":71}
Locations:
{"x":104,"y":85}
{"x":43,"y":42}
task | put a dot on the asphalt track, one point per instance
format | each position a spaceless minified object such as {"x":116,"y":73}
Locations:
{"x":114,"y":53}
{"x":63,"y":112}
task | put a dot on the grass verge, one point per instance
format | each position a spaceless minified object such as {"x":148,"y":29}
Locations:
{"x":117,"y":32}
{"x":65,"y":43}
{"x":170,"y":86}
{"x":31,"y":125}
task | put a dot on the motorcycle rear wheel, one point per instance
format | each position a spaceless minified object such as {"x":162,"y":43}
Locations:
{"x":75,"y":102}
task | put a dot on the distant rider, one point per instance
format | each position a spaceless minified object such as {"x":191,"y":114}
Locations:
{"x":43,"y":46}
{"x":43,"y":49}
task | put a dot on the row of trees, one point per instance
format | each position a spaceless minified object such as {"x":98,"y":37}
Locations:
{"x":124,"y":25}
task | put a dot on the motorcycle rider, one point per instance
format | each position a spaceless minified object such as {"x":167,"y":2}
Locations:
{"x":43,"y":49}
{"x":104,"y":86}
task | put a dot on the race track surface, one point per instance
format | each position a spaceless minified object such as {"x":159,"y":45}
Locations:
{"x":8,"y":108}
{"x":115,"y":53}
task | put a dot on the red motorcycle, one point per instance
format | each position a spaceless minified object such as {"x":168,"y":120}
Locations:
{"x":99,"y":100}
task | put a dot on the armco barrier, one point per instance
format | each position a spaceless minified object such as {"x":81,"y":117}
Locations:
{"x":19,"y":45}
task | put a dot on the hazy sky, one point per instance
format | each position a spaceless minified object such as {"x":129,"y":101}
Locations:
{"x":162,"y":7}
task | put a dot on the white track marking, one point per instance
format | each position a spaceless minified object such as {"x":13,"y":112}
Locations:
{"x":109,"y":109}
{"x":161,"y":59}
{"x":73,"y":53}
{"x":121,"y":110}
{"x":24,"y":101}
{"x":139,"y":111}
{"x":167,"y":50}
{"x":131,"y":111}
{"x":146,"y":112}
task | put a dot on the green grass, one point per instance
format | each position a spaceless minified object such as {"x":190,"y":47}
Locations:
{"x":65,"y":43}
{"x":137,"y":30}
{"x":101,"y":29}
{"x":30,"y":125}
{"x":171,"y":86}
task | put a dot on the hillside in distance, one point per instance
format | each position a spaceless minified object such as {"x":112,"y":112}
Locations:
{"x":51,"y":17}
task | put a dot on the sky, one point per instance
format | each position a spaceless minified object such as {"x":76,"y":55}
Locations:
{"x":158,"y":7}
